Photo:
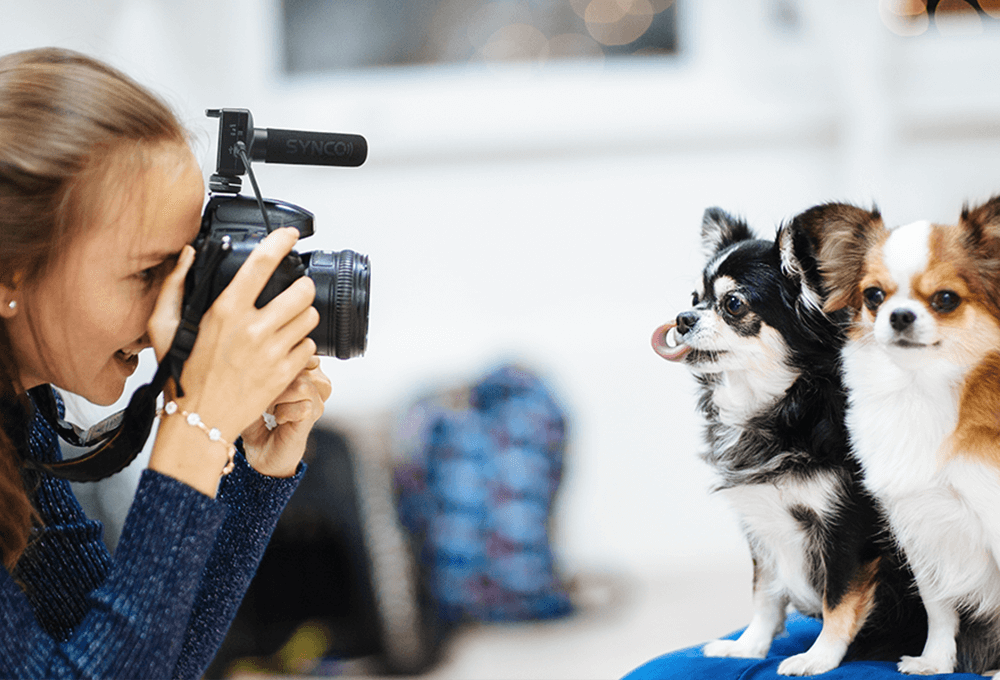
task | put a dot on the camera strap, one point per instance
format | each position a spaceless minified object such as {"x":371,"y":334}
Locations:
{"x":118,"y":445}
{"x":119,"y":438}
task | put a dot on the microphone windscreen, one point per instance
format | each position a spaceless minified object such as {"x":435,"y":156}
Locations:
{"x":298,"y":147}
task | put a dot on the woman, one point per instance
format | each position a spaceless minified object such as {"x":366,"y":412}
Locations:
{"x":100,"y":196}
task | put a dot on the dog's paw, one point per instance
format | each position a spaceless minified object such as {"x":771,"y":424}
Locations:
{"x":734,"y":648}
{"x":808,"y":663}
{"x":925,"y":665}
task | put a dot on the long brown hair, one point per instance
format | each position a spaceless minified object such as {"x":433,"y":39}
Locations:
{"x":62,"y":115}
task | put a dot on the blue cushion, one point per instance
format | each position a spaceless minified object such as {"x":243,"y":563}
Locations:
{"x":691,"y":664}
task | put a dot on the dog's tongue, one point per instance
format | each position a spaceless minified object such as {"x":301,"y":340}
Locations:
{"x":665,"y":343}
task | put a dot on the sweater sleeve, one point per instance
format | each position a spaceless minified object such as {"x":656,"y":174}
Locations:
{"x":138,"y":616}
{"x":255,"y":503}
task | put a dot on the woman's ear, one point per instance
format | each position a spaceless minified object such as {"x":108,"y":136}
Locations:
{"x":10,"y":297}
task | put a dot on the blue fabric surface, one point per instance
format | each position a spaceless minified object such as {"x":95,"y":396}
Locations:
{"x":691,"y":664}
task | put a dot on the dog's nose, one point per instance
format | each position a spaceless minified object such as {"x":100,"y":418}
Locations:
{"x":686,"y":321}
{"x":901,"y":319}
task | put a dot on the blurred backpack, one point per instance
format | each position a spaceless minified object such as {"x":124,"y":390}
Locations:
{"x":475,"y":487}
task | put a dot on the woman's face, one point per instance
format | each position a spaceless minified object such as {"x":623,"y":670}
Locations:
{"x":81,"y":326}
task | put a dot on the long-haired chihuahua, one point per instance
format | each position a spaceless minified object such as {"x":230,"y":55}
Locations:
{"x":767,"y":358}
{"x":922,"y":365}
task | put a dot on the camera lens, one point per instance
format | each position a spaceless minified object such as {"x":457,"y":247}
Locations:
{"x":342,"y":285}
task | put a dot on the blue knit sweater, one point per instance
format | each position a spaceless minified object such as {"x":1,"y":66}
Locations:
{"x":161,"y":606}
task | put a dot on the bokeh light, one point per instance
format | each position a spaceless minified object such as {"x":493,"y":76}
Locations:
{"x":907,"y":18}
{"x":357,"y":33}
{"x":515,"y":42}
{"x":618,"y":22}
{"x":491,"y":17}
{"x":572,"y":46}
{"x":991,"y":7}
{"x":957,"y":18}
{"x":513,"y":32}
{"x":579,"y":6}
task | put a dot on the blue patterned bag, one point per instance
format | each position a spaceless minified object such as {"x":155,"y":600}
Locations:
{"x":476,"y":491}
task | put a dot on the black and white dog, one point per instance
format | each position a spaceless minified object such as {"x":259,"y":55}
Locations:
{"x":768,"y":362}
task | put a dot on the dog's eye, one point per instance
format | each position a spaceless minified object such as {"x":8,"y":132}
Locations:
{"x":945,"y":301}
{"x":873,"y":297}
{"x":734,"y":306}
{"x":694,"y":299}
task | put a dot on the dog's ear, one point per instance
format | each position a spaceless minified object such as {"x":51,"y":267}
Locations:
{"x":797,"y":254}
{"x":980,"y":228}
{"x":720,"y":230}
{"x":839,"y":236}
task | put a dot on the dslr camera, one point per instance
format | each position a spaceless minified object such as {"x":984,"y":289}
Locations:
{"x":233,"y":224}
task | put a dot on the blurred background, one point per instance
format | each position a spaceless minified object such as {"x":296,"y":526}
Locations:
{"x":533,"y":194}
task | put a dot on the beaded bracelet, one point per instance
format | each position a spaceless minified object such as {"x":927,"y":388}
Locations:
{"x":193,"y":419}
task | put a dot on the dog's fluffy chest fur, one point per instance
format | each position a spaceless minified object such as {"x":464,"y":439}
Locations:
{"x":950,"y":530}
{"x":739,"y":395}
{"x":783,"y":522}
{"x":897,"y":418}
{"x":944,"y":511}
{"x":784,"y":514}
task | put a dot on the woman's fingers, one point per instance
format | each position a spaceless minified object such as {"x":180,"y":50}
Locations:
{"x":166,"y":316}
{"x":256,"y":271}
{"x":276,"y":449}
{"x":303,"y":399}
{"x":295,"y":412}
{"x":297,"y":329}
{"x":299,"y":356}
{"x":290,"y":304}
{"x":319,"y":379}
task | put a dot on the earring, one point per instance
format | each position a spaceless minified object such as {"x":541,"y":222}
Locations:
{"x":12,"y":305}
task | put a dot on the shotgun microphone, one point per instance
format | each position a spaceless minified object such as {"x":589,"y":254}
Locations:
{"x":300,"y":147}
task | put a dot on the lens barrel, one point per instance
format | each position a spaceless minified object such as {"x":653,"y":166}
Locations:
{"x":342,"y":286}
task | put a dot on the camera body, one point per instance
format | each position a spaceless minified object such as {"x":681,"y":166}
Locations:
{"x":232,"y":225}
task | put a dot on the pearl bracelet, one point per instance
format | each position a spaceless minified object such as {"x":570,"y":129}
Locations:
{"x":193,"y":419}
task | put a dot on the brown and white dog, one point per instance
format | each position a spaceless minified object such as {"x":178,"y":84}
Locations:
{"x":922,"y":366}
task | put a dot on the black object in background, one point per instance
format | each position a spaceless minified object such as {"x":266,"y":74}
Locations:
{"x":338,"y":558}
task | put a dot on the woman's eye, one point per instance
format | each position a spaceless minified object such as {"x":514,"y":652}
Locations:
{"x":945,"y":301}
{"x":151,"y":275}
{"x":874,"y":297}
{"x":734,"y":305}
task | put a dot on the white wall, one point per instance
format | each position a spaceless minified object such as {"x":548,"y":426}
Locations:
{"x":551,"y":214}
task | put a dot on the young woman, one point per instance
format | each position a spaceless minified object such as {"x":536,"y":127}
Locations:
{"x":100,"y":196}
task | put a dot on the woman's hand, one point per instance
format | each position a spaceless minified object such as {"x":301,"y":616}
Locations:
{"x":166,"y":317}
{"x":277,"y":452}
{"x":244,"y":361}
